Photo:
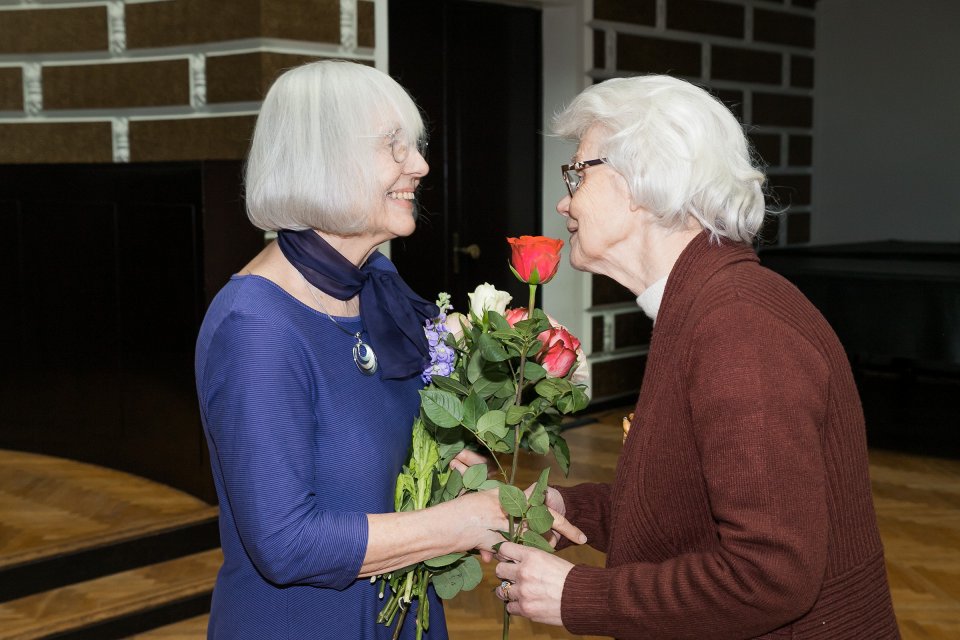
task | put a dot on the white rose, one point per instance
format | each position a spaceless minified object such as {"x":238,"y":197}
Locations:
{"x":486,"y":297}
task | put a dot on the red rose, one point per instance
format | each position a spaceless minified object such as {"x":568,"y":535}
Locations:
{"x":559,"y":352}
{"x":535,"y":258}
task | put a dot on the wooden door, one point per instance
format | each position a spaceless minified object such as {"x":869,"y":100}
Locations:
{"x":475,"y":70}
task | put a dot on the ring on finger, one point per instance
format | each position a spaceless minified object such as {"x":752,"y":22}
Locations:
{"x":505,"y":590}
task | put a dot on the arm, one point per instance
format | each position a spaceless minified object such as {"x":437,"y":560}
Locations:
{"x":587,"y":506}
{"x":757,"y":394}
{"x":257,"y":398}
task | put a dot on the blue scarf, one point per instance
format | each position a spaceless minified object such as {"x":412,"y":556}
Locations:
{"x":392,"y":313}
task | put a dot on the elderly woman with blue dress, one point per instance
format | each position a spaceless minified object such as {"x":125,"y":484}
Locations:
{"x":308,"y":368}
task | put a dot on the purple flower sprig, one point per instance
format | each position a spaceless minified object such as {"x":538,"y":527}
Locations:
{"x":442,"y":356}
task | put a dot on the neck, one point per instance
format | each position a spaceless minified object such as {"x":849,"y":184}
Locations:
{"x":356,"y":249}
{"x":658,"y":249}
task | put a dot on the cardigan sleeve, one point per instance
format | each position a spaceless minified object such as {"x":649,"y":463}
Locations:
{"x":757,"y":394}
{"x":257,"y":396}
{"x":587,"y":506}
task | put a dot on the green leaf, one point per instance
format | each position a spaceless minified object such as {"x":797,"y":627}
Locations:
{"x":538,"y":440}
{"x":475,"y":476}
{"x":543,"y":322}
{"x":448,"y":583}
{"x":534,"y":539}
{"x":472,"y":572}
{"x":507,"y":389}
{"x":581,"y":399}
{"x":489,"y":484}
{"x":498,"y":321}
{"x":539,"y":519}
{"x":453,"y":486}
{"x":547,"y":388}
{"x":512,"y":500}
{"x":492,"y":350}
{"x":561,"y":452}
{"x":443,"y":561}
{"x":488,"y":385}
{"x":473,"y":408}
{"x":540,"y":489}
{"x":475,"y":367}
{"x":449,"y":384}
{"x":493,"y":422}
{"x":442,"y":407}
{"x":449,"y":450}
{"x":516,"y":412}
{"x":533,"y":371}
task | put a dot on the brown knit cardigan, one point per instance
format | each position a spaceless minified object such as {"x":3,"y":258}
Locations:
{"x":741,"y":506}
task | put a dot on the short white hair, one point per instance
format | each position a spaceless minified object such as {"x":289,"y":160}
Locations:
{"x":680,"y":150}
{"x":311,"y":163}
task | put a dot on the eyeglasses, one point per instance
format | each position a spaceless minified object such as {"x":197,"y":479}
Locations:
{"x":399,"y":146}
{"x":571,"y":173}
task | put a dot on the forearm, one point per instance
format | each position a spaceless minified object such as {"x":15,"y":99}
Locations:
{"x":397,"y":540}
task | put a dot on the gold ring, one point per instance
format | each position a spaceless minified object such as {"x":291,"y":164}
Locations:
{"x":505,"y":590}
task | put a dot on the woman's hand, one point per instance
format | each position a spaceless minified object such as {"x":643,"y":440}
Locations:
{"x":533,"y":584}
{"x":466,"y":459}
{"x":484,"y":518}
{"x":554,"y":501}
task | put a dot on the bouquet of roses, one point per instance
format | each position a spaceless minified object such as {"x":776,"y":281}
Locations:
{"x":499,"y":381}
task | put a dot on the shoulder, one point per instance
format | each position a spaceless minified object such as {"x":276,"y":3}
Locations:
{"x":250,"y":314}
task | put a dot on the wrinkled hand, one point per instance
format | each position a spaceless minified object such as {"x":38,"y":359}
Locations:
{"x":537,"y":580}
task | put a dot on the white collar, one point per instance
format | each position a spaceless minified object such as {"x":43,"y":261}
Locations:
{"x":650,"y":299}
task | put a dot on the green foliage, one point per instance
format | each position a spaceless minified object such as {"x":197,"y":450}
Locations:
{"x":498,"y":400}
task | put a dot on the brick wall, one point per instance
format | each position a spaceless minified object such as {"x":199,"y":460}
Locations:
{"x":757,"y":57}
{"x":156,"y":80}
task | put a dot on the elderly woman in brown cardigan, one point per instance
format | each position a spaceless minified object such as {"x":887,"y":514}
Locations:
{"x":741,"y":505}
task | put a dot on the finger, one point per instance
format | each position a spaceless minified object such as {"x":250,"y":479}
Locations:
{"x":486,"y":556}
{"x":510,"y":552}
{"x":507,"y":571}
{"x":459,"y":466}
{"x":470,"y":457}
{"x":565,"y":528}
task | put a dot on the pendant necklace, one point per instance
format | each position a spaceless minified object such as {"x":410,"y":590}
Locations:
{"x":363,"y":355}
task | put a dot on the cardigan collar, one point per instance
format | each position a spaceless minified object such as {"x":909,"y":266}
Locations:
{"x":698,"y":262}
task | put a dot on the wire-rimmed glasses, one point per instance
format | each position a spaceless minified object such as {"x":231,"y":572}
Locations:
{"x":399,"y":147}
{"x":571,"y":173}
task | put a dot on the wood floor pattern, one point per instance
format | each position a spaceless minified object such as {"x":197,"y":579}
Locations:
{"x":51,"y":506}
{"x":48,"y":504}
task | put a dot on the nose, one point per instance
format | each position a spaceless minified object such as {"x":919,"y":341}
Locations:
{"x":415,"y":164}
{"x":563,"y":207}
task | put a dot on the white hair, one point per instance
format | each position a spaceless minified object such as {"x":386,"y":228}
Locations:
{"x":311,"y":163}
{"x":680,"y":150}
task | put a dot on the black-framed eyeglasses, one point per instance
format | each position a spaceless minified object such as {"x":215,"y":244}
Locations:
{"x":399,"y":147}
{"x":571,"y":173}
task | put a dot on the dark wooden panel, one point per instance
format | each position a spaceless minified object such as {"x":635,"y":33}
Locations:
{"x":111,"y":268}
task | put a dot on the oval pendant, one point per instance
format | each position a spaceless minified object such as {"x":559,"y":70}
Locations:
{"x":365,"y":358}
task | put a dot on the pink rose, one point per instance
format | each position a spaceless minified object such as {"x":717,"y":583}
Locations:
{"x":559,"y":352}
{"x":513,"y":316}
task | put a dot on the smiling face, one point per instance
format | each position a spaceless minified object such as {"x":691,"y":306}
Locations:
{"x":599,"y":215}
{"x":394,"y":216}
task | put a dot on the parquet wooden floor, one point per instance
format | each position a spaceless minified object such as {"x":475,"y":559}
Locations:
{"x":917,"y":500}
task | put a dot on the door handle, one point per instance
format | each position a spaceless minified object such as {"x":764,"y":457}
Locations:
{"x":472,"y":250}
